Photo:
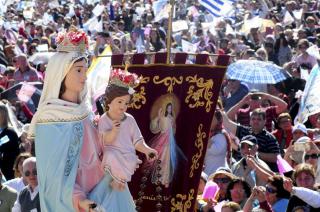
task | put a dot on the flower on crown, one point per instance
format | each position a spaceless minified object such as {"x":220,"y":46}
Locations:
{"x":72,"y":41}
{"x":124,"y":79}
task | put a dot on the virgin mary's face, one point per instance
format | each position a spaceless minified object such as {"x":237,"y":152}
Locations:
{"x":76,"y":77}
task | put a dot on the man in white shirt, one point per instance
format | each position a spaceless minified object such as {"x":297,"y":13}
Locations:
{"x":28,"y":199}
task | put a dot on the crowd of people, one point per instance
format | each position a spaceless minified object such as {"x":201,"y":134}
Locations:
{"x":253,"y":126}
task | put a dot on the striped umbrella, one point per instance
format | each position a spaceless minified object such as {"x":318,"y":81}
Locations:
{"x":256,"y":72}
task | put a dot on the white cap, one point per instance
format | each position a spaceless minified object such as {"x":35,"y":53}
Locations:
{"x":300,"y":127}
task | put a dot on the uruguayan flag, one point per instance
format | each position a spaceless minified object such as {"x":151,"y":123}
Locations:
{"x":217,"y":7}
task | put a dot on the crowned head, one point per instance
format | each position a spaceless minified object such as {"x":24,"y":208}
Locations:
{"x":74,"y":40}
{"x":121,"y":83}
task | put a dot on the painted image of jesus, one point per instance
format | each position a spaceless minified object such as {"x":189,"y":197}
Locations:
{"x":163,"y":125}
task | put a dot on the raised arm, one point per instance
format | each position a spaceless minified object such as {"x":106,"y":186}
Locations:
{"x":281,"y":105}
{"x":230,"y":125}
{"x":232,"y":112}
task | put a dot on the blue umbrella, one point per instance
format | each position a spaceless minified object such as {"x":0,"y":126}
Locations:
{"x":256,"y":72}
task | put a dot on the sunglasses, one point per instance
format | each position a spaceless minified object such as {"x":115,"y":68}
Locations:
{"x":241,"y":191}
{"x":270,"y":190}
{"x":313,"y":156}
{"x":221,"y":180}
{"x":28,"y":173}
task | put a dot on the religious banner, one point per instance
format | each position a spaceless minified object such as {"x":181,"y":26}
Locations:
{"x":173,"y":106}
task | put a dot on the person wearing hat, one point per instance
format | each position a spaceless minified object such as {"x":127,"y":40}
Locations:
{"x":299,"y":134}
{"x":222,"y":177}
{"x":253,"y":169}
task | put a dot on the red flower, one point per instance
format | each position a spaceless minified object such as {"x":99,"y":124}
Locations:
{"x":126,"y":77}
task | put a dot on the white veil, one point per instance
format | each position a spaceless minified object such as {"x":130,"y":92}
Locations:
{"x":51,"y":108}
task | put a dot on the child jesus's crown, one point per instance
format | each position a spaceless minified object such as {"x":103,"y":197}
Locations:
{"x":124,"y":79}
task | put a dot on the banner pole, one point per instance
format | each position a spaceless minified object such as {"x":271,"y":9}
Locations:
{"x":169,"y":32}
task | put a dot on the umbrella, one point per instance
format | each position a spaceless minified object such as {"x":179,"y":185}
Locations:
{"x":40,"y":57}
{"x":256,"y":72}
{"x":28,"y":93}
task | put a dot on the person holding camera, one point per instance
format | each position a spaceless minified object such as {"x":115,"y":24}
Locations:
{"x":253,"y":100}
{"x":251,"y":167}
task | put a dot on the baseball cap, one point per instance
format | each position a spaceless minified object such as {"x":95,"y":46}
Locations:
{"x":249,"y":139}
{"x":300,"y":127}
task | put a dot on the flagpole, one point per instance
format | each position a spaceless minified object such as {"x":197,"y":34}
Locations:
{"x":169,"y":32}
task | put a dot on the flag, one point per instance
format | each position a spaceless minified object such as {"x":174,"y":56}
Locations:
{"x":217,"y":7}
{"x":98,"y":74}
{"x":157,"y":6}
{"x":163,"y":13}
{"x":310,"y":100}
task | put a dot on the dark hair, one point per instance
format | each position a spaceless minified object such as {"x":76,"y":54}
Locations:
{"x":114,"y":91}
{"x":21,"y":156}
{"x":259,"y":112}
{"x":277,"y":181}
{"x":166,"y":112}
{"x":63,"y":86}
{"x":4,"y":112}
{"x":285,"y":43}
{"x":234,"y":181}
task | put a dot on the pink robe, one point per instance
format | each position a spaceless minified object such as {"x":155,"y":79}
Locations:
{"x":90,"y":171}
{"x":120,"y":158}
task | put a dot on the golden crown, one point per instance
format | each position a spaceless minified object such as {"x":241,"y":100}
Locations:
{"x":72,"y":41}
{"x":123,"y":78}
